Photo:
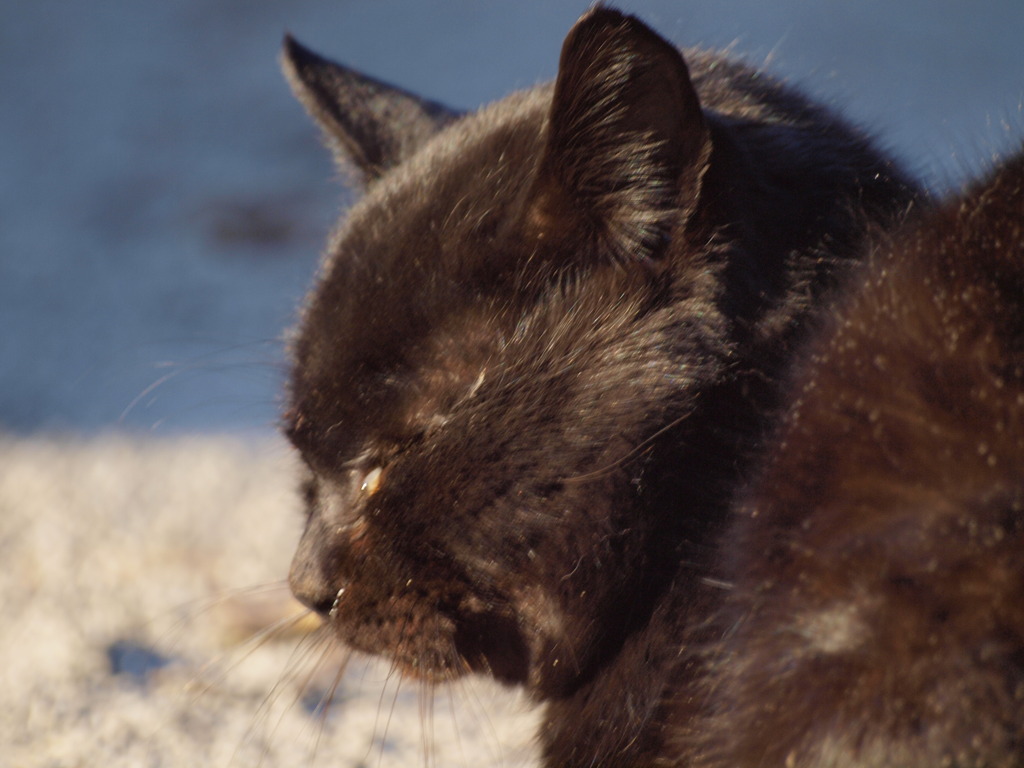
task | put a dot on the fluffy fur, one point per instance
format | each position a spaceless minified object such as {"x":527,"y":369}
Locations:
{"x":876,"y":610}
{"x":537,"y":356}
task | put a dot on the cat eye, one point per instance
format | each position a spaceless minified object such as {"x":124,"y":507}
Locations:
{"x":371,"y":481}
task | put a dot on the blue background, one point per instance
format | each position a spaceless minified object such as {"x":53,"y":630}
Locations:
{"x":163,"y":200}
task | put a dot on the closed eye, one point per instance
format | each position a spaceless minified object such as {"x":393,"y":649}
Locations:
{"x":371,"y":481}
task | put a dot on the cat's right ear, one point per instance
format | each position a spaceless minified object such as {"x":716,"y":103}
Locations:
{"x":627,"y":144}
{"x":367,"y":122}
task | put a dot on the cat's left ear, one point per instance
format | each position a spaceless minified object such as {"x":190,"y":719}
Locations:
{"x":627,"y":144}
{"x":366,"y":121}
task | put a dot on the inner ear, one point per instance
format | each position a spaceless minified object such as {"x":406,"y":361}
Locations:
{"x":366,"y":121}
{"x":627,"y":144}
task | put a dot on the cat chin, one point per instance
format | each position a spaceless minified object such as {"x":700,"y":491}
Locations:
{"x":439,"y":650}
{"x":419,"y":643}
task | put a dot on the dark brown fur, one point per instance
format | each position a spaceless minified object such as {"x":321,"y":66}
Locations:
{"x":540,"y":348}
{"x":876,"y":609}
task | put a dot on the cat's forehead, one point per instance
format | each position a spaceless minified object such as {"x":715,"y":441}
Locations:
{"x":467,"y":175}
{"x":414,"y":275}
{"x":390,"y":377}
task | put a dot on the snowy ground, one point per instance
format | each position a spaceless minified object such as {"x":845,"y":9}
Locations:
{"x":134,"y":587}
{"x":162,"y":205}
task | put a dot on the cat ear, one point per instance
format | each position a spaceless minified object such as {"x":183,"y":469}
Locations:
{"x":366,"y":121}
{"x":627,"y":143}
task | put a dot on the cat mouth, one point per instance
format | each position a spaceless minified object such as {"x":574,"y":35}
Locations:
{"x":431,"y":645}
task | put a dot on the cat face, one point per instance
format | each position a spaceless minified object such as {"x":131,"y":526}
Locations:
{"x":495,"y":333}
{"x":503,"y":380}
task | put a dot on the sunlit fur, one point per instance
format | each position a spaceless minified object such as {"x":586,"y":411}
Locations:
{"x":539,"y":353}
{"x":875,"y":610}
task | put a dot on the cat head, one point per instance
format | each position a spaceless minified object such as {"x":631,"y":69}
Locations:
{"x":502,"y":321}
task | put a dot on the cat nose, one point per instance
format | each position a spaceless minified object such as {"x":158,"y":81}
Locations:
{"x":310,"y":589}
{"x":310,"y":592}
{"x":307,"y":580}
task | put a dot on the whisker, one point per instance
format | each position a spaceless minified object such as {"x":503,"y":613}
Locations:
{"x":455,"y":720}
{"x":245,"y":650}
{"x":224,"y":358}
{"x":146,"y":392}
{"x":323,"y":641}
{"x":425,"y":741}
{"x":299,"y":656}
{"x":470,"y":696}
{"x":475,"y":705}
{"x":391,"y":711}
{"x":191,"y":610}
{"x":326,"y":700}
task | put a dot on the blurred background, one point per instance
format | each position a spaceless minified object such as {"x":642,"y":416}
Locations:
{"x":163,"y":205}
{"x":164,"y":200}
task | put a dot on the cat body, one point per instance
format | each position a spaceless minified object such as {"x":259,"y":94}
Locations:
{"x":875,"y":615}
{"x":538,"y":356}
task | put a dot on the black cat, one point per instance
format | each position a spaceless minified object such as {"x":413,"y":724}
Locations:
{"x":540,"y":350}
{"x":876,"y":613}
